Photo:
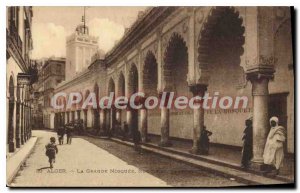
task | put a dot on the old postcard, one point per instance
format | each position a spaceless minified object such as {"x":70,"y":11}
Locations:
{"x":149,"y":96}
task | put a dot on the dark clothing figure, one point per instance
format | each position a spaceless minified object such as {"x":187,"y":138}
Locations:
{"x":69,"y":134}
{"x":247,"y":152}
{"x":136,"y":136}
{"x":61,"y":132}
{"x":51,"y":151}
{"x":78,"y":126}
{"x":204,"y":141}
{"x":125,"y":130}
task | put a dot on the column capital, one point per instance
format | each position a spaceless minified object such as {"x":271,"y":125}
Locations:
{"x":260,"y":83}
{"x":258,"y":75}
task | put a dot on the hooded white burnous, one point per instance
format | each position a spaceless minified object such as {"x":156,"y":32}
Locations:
{"x":273,"y":152}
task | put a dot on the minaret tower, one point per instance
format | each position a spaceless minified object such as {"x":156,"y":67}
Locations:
{"x":80,"y":49}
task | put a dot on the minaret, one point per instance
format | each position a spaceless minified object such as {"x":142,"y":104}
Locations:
{"x":80,"y":49}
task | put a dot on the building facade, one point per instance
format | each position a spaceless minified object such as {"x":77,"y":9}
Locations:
{"x":18,"y":63}
{"x":51,"y":73}
{"x":236,"y":51}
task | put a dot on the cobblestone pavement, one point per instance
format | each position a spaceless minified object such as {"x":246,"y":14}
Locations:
{"x":99,"y":162}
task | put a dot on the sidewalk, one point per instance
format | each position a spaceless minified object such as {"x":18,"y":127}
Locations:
{"x":81,"y":164}
{"x":222,"y":160}
{"x":15,"y":161}
{"x":226,"y":155}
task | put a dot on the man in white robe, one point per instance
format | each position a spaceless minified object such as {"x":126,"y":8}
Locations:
{"x":274,"y":148}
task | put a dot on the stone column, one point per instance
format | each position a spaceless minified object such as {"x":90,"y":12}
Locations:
{"x":144,"y":125}
{"x":198,"y":119}
{"x":165,"y":124}
{"x":22,"y":124}
{"x":112,"y":118}
{"x":102,"y":121}
{"x":85,"y":118}
{"x":97,"y":119}
{"x":78,"y":114}
{"x":119,"y":116}
{"x":30,"y":121}
{"x":68,"y":117}
{"x":28,"y":125}
{"x":18,"y":125}
{"x":11,"y":143}
{"x":24,"y":121}
{"x":129,"y":119}
{"x":73,"y":115}
{"x":260,"y":94}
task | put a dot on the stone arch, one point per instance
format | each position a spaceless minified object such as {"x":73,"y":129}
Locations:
{"x":79,"y":105}
{"x":175,"y":67}
{"x":222,"y":23}
{"x":133,"y":79}
{"x":96,"y":90}
{"x":121,"y":84}
{"x":220,"y":49}
{"x":111,"y":86}
{"x":150,"y":74}
{"x":11,"y":105}
{"x":87,"y":92}
{"x":18,"y":117}
{"x":111,"y":112}
{"x":86,"y":110}
{"x":96,"y":118}
{"x":133,"y":86}
{"x":120,"y":92}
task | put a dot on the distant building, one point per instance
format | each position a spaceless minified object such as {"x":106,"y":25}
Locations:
{"x":51,"y":73}
{"x":80,"y":48}
{"x":18,"y":63}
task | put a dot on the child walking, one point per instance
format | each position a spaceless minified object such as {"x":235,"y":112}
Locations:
{"x":51,"y":151}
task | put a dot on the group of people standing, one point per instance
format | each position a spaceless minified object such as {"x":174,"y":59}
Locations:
{"x":65,"y":130}
{"x":274,"y":148}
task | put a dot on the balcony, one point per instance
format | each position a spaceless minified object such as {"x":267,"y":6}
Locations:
{"x":13,"y":36}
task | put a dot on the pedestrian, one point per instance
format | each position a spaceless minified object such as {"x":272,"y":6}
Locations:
{"x":58,"y":135}
{"x":137,"y":140}
{"x":125,"y":130}
{"x":69,"y":131}
{"x":51,"y":151}
{"x":61,"y":132}
{"x":274,"y":148}
{"x":204,"y":141}
{"x":247,"y":152}
{"x":81,"y":126}
{"x":78,"y":127}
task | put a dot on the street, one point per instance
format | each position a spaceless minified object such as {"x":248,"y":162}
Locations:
{"x":95,"y":162}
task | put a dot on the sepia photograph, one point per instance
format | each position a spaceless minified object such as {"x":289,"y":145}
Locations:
{"x":150,"y":96}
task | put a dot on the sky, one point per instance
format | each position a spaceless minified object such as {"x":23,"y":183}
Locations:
{"x":51,"y":26}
